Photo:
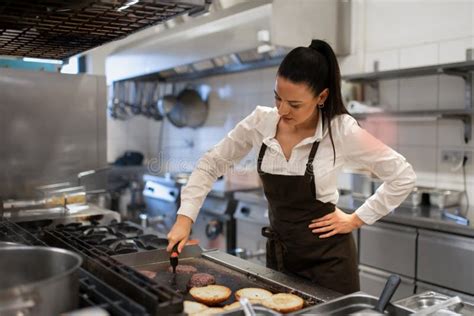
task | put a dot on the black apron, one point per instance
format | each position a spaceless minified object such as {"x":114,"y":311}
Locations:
{"x":291,"y":246}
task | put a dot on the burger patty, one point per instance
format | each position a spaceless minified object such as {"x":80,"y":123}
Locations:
{"x":182,"y":268}
{"x":200,"y":280}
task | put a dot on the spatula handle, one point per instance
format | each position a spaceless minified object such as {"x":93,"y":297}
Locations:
{"x":388,"y":291}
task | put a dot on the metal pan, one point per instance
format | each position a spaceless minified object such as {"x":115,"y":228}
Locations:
{"x":38,"y":280}
{"x":194,"y":109}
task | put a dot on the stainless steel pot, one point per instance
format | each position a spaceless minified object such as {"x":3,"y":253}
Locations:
{"x":38,"y":280}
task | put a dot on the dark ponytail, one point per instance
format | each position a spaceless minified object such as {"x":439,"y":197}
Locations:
{"x":317,"y":67}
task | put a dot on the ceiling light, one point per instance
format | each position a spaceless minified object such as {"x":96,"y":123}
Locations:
{"x":128,"y":4}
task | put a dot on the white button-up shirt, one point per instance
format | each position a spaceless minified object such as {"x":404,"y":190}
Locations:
{"x":353,"y":145}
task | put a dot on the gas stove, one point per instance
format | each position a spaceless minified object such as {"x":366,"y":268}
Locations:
{"x":115,"y":238}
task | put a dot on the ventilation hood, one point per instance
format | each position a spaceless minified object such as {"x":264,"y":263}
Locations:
{"x":60,"y":29}
{"x":248,"y":35}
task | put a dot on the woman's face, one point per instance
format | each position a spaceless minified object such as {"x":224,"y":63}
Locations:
{"x":296,"y":103}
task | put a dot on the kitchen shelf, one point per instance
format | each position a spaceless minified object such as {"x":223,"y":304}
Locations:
{"x":463,"y":115}
{"x":464,"y":70}
{"x":460,"y":69}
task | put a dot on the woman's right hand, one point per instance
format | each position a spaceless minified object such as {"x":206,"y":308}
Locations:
{"x":179,"y":234}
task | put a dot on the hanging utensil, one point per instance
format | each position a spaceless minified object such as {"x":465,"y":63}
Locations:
{"x":193,"y":109}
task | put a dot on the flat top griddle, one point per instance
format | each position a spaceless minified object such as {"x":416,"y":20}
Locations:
{"x":228,"y":270}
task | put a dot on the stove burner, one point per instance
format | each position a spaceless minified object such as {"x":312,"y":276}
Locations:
{"x":116,"y":238}
{"x":125,"y":246}
{"x":126,"y":230}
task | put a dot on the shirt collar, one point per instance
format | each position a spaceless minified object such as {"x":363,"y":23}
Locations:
{"x":267,"y":127}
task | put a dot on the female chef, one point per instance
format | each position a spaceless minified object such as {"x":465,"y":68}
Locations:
{"x":303,"y":143}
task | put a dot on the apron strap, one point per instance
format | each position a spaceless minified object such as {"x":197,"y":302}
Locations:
{"x":278,"y":247}
{"x":260,"y":158}
{"x":310,"y":167}
{"x":312,"y":154}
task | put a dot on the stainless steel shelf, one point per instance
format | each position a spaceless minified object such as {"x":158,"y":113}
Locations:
{"x":464,"y":70}
{"x":463,"y":115}
{"x":449,"y":69}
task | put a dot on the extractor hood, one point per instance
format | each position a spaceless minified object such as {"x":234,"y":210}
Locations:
{"x":56,"y":29}
{"x":252,"y":34}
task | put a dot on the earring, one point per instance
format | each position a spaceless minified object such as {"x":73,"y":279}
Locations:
{"x":321,"y":105}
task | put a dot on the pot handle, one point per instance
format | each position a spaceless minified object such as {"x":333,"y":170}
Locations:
{"x":19,"y":304}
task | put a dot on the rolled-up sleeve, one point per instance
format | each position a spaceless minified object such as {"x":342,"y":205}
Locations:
{"x":397,"y":174}
{"x":230,"y":150}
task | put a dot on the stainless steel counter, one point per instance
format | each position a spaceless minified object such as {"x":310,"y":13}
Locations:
{"x":422,"y":217}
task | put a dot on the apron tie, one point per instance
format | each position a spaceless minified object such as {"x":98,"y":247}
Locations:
{"x":278,"y":246}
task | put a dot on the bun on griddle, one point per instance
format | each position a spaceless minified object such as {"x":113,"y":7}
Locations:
{"x":253,"y":294}
{"x":234,"y":305}
{"x":284,"y":302}
{"x":211,"y":311}
{"x":210,"y":294}
{"x":191,"y":307}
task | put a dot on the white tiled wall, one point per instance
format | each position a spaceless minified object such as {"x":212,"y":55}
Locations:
{"x":396,"y":34}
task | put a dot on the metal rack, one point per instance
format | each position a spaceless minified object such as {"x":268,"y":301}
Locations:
{"x":58,"y":29}
{"x":464,"y":70}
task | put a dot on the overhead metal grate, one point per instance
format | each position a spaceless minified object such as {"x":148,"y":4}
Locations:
{"x":57,"y":29}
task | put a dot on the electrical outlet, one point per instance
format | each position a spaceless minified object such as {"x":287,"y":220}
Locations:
{"x":455,"y":156}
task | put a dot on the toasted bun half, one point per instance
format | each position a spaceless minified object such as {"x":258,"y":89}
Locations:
{"x":284,"y":302}
{"x":191,"y":307}
{"x":234,"y":305}
{"x":211,"y":294}
{"x":211,"y":311}
{"x":253,"y":294}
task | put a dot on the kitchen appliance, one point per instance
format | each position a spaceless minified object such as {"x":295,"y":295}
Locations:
{"x":228,"y":270}
{"x":162,"y":199}
{"x":215,"y":224}
{"x":266,"y":31}
{"x":61,"y":29}
{"x":92,"y":291}
{"x":250,"y":217}
{"x":50,"y":288}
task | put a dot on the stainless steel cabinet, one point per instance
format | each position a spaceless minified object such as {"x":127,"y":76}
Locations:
{"x":446,"y":260}
{"x":389,"y":247}
{"x":372,"y":281}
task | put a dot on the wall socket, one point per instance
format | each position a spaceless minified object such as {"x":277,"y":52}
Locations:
{"x":454,"y":157}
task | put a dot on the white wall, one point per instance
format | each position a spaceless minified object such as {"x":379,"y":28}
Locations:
{"x":397,"y":34}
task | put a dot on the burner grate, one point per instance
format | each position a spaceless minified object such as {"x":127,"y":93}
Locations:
{"x":157,"y":298}
{"x":59,"y":29}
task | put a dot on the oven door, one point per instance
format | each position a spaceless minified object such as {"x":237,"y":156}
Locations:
{"x":161,"y":206}
{"x":211,"y":231}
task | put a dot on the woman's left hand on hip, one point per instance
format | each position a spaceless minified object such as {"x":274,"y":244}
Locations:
{"x":334,"y":223}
